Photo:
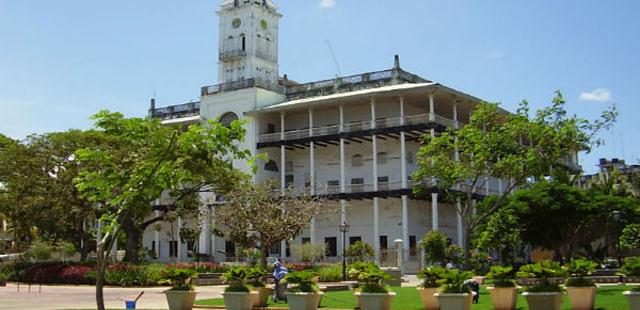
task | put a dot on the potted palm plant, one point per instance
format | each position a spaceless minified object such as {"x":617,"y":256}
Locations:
{"x":255,"y":276}
{"x":238,"y":295}
{"x":454,"y":293}
{"x":504,"y":293}
{"x":181,"y":295}
{"x":304,"y":294}
{"x":631,"y":268}
{"x":374,"y":294}
{"x":544,"y":294}
{"x":581,"y":291}
{"x":430,"y":286}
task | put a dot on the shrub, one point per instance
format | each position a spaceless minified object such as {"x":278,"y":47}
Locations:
{"x":430,"y":276}
{"x":578,"y":270}
{"x":309,"y":252}
{"x":631,"y":266}
{"x":237,"y":279}
{"x":329,"y":273}
{"x":630,"y":237}
{"x":132,"y":275}
{"x":542,"y":270}
{"x":453,"y":281}
{"x":201,"y":267}
{"x":303,"y":282}
{"x":180,"y":279}
{"x":374,"y":280}
{"x":358,"y":268}
{"x":360,"y":251}
{"x":502,"y":276}
{"x":255,"y":276}
{"x":48,"y":272}
{"x":40,"y":250}
{"x":434,"y":244}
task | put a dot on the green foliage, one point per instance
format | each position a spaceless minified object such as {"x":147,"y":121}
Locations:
{"x":631,"y":266}
{"x":127,"y":275}
{"x":542,"y":270}
{"x":40,"y":250}
{"x":303,"y":282}
{"x":371,"y":275}
{"x":630,"y":237}
{"x":502,"y":276}
{"x":180,"y":279}
{"x":255,"y":276}
{"x":453,"y":281}
{"x":435,"y":245}
{"x":430,"y":276}
{"x":237,"y":278}
{"x":329,"y":273}
{"x":357,"y":268}
{"x":360,"y":251}
{"x":501,"y":232}
{"x":309,"y":252}
{"x":578,"y":270}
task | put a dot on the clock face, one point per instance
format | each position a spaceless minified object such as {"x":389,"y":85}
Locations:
{"x":236,"y":23}
{"x":264,"y":24}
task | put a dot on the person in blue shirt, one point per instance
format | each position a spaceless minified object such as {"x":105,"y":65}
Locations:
{"x":279,"y":272}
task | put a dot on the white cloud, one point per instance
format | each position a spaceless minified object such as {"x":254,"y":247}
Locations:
{"x":598,"y":95}
{"x":327,"y":4}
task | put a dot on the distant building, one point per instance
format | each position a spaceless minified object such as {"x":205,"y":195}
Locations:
{"x":606,"y":166}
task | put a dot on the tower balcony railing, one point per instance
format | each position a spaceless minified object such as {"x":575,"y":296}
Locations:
{"x":359,"y":126}
{"x":177,"y":111}
{"x":232,"y":54}
{"x":241,"y":84}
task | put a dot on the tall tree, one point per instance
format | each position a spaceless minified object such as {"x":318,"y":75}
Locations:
{"x":144,"y":159}
{"x":258,"y":216}
{"x":516,"y":148}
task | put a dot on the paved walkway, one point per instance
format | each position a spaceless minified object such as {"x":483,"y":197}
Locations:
{"x":83,"y":297}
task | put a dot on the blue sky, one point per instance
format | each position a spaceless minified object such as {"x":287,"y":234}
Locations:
{"x":62,"y":61}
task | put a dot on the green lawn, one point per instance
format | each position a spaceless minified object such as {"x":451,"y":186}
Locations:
{"x":608,"y":297}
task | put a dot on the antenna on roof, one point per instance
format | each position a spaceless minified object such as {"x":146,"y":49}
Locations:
{"x":334,"y":58}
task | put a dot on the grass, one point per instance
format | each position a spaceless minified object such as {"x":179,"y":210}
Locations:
{"x":408,"y":298}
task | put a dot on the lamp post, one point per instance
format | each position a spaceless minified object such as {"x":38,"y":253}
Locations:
{"x":398,"y":243}
{"x":617,"y":218}
{"x":344,"y":228}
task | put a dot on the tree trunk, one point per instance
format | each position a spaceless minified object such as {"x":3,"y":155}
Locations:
{"x":102,"y":265}
{"x":264,"y":253}
{"x":466,"y":241}
{"x":133,"y":241}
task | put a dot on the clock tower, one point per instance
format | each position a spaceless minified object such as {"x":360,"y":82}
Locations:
{"x":248,"y":46}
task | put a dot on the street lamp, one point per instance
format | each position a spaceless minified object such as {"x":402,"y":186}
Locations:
{"x":617,"y":218}
{"x":344,"y":228}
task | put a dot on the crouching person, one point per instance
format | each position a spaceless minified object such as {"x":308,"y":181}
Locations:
{"x":279,"y":271}
{"x":474,"y":286}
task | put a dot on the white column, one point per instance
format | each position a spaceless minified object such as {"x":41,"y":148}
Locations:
{"x":376,"y":202}
{"x":403,"y":173}
{"x":283,"y":174}
{"x":114,"y":250}
{"x":343,"y":185}
{"x":312,"y":176}
{"x":455,"y":115}
{"x":205,"y":232}
{"x":500,"y":189}
{"x":459,"y":222}
{"x":432,"y":112}
{"x":214,"y":253}
{"x":434,"y":211}
{"x":156,"y":236}
{"x":179,"y":249}
{"x":486,"y":185}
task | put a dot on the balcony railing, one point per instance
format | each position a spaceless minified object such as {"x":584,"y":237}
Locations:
{"x":353,"y":82}
{"x":225,"y":87}
{"x":359,"y":126}
{"x":232,"y":53}
{"x":177,"y":111}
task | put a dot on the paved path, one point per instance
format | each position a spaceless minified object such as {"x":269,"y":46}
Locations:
{"x":83,"y":297}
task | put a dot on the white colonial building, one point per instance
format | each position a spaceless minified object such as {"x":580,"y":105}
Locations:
{"x":352,"y":139}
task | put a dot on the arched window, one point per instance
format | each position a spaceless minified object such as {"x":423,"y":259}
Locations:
{"x":228,"y":118}
{"x":382,"y":158}
{"x":357,"y":160}
{"x":271,"y":166}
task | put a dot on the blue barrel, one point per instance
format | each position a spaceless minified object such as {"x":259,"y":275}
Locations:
{"x":130,"y":304}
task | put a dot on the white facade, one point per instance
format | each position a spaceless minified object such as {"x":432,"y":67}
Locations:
{"x":353,"y":139}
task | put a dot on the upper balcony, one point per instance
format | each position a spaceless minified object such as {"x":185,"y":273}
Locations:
{"x":231,"y":86}
{"x":411,"y":123}
{"x":352,"y":83}
{"x":224,"y":55}
{"x":177,"y":111}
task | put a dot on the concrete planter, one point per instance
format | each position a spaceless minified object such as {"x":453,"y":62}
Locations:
{"x":503,"y":298}
{"x":375,"y":301}
{"x":304,"y":301}
{"x":429,"y":301}
{"x":260,"y":299}
{"x":634,"y":299}
{"x":458,"y":301}
{"x":239,"y":300}
{"x":582,"y":298}
{"x":180,"y":300}
{"x":543,"y":300}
